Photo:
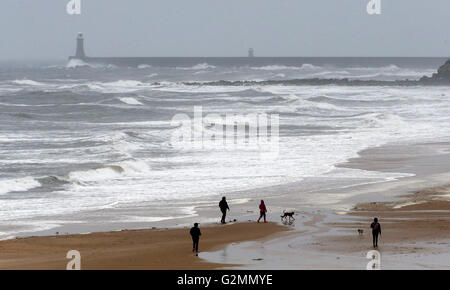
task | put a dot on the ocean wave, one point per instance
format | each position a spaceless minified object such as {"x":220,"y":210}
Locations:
{"x":125,"y":83}
{"x":26,"y":82}
{"x":117,"y":143}
{"x":331,"y":73}
{"x":295,"y":104}
{"x":24,"y":105}
{"x":391,"y":67}
{"x":376,"y":73}
{"x":21,"y":115}
{"x":350,"y":101}
{"x":75,"y":63}
{"x":200,"y":87}
{"x":18,"y":185}
{"x":8,"y":90}
{"x":123,"y":169}
{"x":305,"y":66}
{"x":144,"y":66}
{"x":403,"y":74}
{"x":384,"y":120}
{"x":78,"y":63}
{"x":200,"y":66}
{"x":130,"y":101}
{"x":120,"y":86}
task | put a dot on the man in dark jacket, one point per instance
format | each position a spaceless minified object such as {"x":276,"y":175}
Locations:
{"x":223,"y":208}
{"x":376,"y":230}
{"x":195,"y":234}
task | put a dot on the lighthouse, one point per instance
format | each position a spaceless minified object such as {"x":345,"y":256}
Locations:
{"x":251,"y":52}
{"x":80,"y":47}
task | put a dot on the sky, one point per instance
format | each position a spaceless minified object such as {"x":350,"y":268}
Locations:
{"x":42,"y":29}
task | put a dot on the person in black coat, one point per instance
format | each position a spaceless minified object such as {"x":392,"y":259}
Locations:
{"x":223,"y":205}
{"x":376,"y":230}
{"x":195,"y":234}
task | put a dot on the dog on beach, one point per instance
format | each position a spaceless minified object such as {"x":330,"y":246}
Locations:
{"x":288,"y":216}
{"x":360,"y":232}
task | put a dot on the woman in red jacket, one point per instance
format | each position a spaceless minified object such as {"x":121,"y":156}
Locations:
{"x":262,"y":211}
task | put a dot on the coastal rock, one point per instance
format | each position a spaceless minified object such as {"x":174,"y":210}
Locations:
{"x":441,"y":77}
{"x":444,"y":71}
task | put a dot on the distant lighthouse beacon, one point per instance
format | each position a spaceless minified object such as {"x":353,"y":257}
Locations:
{"x":251,"y":52}
{"x":80,"y":47}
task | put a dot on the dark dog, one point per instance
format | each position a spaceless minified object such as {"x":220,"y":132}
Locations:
{"x":287,"y":215}
{"x":360,"y":232}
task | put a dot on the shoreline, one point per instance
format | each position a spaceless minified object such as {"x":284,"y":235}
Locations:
{"x":322,"y":238}
{"x":414,"y":213}
{"x":415,"y":235}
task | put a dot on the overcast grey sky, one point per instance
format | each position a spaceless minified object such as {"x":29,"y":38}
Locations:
{"x":34,"y":29}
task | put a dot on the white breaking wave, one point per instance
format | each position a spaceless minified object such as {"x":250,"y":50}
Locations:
{"x":26,"y":82}
{"x":391,"y":67}
{"x":389,"y":72}
{"x":130,"y":101}
{"x":200,"y":66}
{"x":305,"y":66}
{"x":295,"y":104}
{"x":144,"y":66}
{"x":300,"y":103}
{"x":98,"y":174}
{"x":128,"y":168}
{"x":125,"y":83}
{"x":17,"y":185}
{"x":74,"y":63}
{"x":120,"y":86}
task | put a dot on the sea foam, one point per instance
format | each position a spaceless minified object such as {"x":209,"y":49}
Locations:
{"x":130,"y":101}
{"x":18,"y":184}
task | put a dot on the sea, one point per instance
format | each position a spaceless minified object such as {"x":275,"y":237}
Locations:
{"x":92,"y":143}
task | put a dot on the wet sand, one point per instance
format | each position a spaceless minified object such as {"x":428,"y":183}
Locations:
{"x":412,"y":238}
{"x":157,"y":249}
{"x":412,"y":228}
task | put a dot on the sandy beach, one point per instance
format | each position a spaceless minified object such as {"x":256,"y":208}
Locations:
{"x":416,"y":227}
{"x":156,"y":249}
{"x":412,"y":228}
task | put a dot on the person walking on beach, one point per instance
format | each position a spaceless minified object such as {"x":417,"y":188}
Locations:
{"x":262,"y":211}
{"x":376,"y":230}
{"x":195,"y":234}
{"x":223,"y":208}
